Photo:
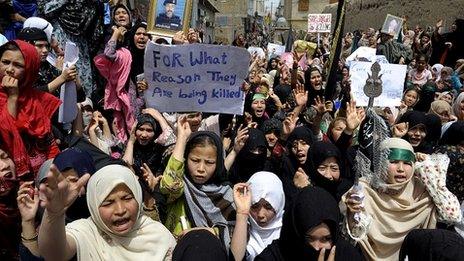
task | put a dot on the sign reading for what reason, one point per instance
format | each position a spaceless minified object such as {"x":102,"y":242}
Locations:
{"x":195,"y":77}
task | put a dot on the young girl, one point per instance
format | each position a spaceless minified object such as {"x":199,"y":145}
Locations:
{"x":420,"y":75}
{"x":397,"y":201}
{"x":261,"y":203}
{"x":197,"y":195}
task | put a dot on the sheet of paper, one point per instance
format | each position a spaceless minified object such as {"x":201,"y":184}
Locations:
{"x":68,"y":93}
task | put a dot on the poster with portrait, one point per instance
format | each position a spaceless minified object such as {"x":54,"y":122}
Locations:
{"x":392,"y":25}
{"x":166,"y":17}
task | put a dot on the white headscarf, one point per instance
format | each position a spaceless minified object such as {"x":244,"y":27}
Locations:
{"x":37,"y":22}
{"x":436,"y":69}
{"x":265,"y":185}
{"x":148,"y":239}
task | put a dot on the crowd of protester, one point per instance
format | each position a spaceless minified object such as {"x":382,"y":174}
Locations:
{"x":286,"y":180}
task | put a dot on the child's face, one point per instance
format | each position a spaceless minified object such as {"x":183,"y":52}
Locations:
{"x":201,"y":163}
{"x":262,"y":212}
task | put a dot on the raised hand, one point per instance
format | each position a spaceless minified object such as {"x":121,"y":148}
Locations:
{"x":300,"y":179}
{"x":301,"y":96}
{"x":57,"y":195}
{"x":331,"y":256}
{"x":242,"y":198}
{"x":183,"y":128}
{"x":353,"y":116}
{"x":319,"y":105}
{"x":28,"y":201}
{"x":132,"y":136}
{"x":69,"y":74}
{"x":148,"y":176}
{"x":288,"y":125}
{"x":240,"y":139}
{"x":400,"y":129}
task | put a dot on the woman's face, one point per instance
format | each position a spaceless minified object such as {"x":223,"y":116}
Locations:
{"x":119,"y":210}
{"x":141,"y":38}
{"x":329,"y":169}
{"x":7,"y":173}
{"x":145,"y":134}
{"x":262,"y":212}
{"x":399,"y":171}
{"x":319,"y":237}
{"x":447,"y":98}
{"x":316,"y":80}
{"x":12,"y":64}
{"x":274,"y":64}
{"x":201,"y":163}
{"x":338,"y":128}
{"x":271,"y":139}
{"x":345,"y":72}
{"x":121,"y":17}
{"x":410,"y":98}
{"x":300,"y":149}
{"x":424,"y":39}
{"x":258,"y":107}
{"x":444,"y":116}
{"x":43,"y":48}
{"x":417,"y":134}
{"x":194,"y":120}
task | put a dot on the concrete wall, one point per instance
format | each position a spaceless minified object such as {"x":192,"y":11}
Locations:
{"x":362,"y":14}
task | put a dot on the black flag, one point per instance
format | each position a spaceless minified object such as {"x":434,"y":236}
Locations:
{"x":335,"y":51}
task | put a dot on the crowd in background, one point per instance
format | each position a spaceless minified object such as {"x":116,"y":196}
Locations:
{"x":303,"y":174}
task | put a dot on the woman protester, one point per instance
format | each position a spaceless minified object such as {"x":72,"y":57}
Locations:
{"x":117,"y":229}
{"x":25,"y":112}
{"x":396,"y":198}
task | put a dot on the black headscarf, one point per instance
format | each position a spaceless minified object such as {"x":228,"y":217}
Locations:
{"x":152,"y":152}
{"x":432,"y":125}
{"x":305,"y":134}
{"x":199,"y":245}
{"x":137,"y":54}
{"x":219,"y":176}
{"x":312,"y":93}
{"x":454,"y":135}
{"x":116,"y":7}
{"x":432,"y":244}
{"x":312,"y":207}
{"x":319,"y":152}
{"x":247,"y":163}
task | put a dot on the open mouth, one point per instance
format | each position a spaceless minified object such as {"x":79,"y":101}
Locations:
{"x":414,"y":141}
{"x":400,"y":178}
{"x":259,"y":112}
{"x":122,"y":224}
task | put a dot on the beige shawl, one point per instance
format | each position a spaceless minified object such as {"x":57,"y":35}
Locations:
{"x":394,"y":215}
{"x":148,"y":240}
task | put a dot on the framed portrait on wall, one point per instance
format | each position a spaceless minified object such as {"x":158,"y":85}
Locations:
{"x":166,"y":17}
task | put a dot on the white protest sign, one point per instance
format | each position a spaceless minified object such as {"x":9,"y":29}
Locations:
{"x":68,"y":93}
{"x":275,"y":49}
{"x":319,"y":23}
{"x":195,"y":77}
{"x":258,"y":50}
{"x":360,"y":53}
{"x":392,"y":76}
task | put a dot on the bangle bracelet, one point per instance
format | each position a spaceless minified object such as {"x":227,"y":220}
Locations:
{"x":243,"y":213}
{"x":34,"y":238}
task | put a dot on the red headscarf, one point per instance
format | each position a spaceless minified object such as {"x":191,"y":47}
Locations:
{"x":35,"y":108}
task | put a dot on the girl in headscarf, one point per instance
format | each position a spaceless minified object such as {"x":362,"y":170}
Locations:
{"x":251,"y":158}
{"x":117,"y":229}
{"x":452,"y":144}
{"x":395,"y":201}
{"x":194,"y":182}
{"x":313,"y":84}
{"x":442,"y":109}
{"x":423,"y":130}
{"x":25,"y":112}
{"x":310,"y":231}
{"x":328,"y":169}
{"x":115,"y":65}
{"x":138,"y":39}
{"x":436,"y":72}
{"x":260,"y":202}
{"x":297,"y":165}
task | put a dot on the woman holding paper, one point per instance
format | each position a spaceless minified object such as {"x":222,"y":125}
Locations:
{"x":24,"y":111}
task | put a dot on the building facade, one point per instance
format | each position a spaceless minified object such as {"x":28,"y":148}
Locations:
{"x":230,"y":20}
{"x":296,"y":12}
